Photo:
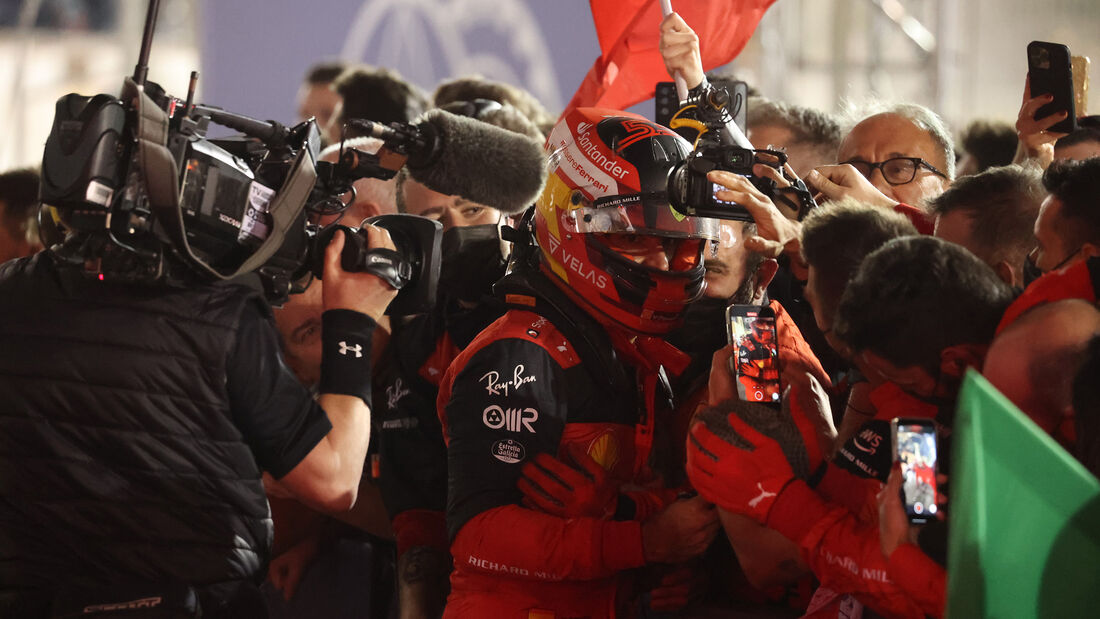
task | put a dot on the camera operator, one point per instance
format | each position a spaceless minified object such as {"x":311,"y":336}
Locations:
{"x":470,"y":88}
{"x":304,"y":537}
{"x":137,"y":419}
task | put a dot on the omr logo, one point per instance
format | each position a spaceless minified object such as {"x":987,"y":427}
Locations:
{"x":511,"y":419}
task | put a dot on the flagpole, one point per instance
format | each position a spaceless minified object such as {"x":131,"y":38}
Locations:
{"x":681,"y":85}
{"x":682,"y":92}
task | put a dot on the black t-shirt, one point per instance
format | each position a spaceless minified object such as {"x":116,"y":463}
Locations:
{"x":279,"y":420}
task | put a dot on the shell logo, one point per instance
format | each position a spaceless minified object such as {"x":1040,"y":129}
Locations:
{"x":605,"y":450}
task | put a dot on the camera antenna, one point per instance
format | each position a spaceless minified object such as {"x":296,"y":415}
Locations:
{"x":141,"y":69}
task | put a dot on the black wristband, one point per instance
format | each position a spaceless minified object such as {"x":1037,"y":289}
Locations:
{"x":345,"y":353}
{"x":699,"y":90}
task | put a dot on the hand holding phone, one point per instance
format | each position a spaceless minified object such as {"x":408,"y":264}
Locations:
{"x":1050,"y":73}
{"x":915,"y":449}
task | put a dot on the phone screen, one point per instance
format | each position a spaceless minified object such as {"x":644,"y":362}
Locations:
{"x":915,"y":446}
{"x":755,"y":364}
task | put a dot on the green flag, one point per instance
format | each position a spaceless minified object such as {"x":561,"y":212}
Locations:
{"x":1025,"y":517}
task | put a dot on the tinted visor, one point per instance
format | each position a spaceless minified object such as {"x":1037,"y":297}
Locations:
{"x":641,"y":214}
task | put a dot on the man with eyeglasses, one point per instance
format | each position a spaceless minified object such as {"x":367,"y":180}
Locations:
{"x":902,"y":156}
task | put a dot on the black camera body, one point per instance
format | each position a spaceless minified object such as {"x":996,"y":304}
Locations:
{"x":413,"y":267}
{"x":83,"y":152}
{"x":149,"y":198}
{"x":693,"y":194}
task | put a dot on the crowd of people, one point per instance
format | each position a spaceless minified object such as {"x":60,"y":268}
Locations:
{"x":567,"y":432}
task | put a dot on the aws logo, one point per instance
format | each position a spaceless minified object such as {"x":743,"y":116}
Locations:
{"x":867,"y":441}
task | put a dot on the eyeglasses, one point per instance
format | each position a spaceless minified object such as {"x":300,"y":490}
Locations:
{"x":897,"y":170}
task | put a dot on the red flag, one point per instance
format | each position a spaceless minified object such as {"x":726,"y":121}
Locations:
{"x":629,"y":32}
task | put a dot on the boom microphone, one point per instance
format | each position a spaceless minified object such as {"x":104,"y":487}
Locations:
{"x":456,"y":155}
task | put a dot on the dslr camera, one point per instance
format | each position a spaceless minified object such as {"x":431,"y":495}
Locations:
{"x":689,"y":190}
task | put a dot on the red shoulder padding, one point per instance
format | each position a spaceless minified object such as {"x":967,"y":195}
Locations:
{"x":1077,"y":281}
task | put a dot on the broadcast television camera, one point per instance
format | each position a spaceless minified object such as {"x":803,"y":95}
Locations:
{"x":150,"y":198}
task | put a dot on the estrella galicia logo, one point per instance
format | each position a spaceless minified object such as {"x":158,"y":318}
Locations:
{"x":509,"y":451}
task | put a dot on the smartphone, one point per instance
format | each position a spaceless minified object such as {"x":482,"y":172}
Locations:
{"x":667,"y":102}
{"x":915,"y":448}
{"x":755,"y":362}
{"x":1080,"y":68}
{"x":1051,"y":72}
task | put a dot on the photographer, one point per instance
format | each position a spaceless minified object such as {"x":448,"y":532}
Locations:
{"x":137,"y":419}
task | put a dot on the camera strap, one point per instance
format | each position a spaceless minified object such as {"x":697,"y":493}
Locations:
{"x":388,"y":265}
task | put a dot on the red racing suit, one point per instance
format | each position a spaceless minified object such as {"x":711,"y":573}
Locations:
{"x":1079,"y":280}
{"x":849,"y":568}
{"x":835,"y":525}
{"x":521,"y":388}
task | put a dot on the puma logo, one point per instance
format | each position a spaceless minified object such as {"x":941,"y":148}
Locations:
{"x":763,"y":495}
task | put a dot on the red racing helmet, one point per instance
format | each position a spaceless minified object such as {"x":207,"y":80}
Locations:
{"x":604,"y":225}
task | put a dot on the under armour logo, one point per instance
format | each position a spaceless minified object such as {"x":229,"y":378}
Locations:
{"x":357,"y":349}
{"x":763,"y":495}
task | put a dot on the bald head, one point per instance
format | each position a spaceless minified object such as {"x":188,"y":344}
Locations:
{"x":1034,"y":360}
{"x":373,"y":196}
{"x":888,"y":135}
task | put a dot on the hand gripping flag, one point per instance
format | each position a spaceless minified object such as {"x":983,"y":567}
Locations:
{"x":630,"y":63}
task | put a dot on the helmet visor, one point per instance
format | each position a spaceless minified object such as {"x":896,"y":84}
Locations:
{"x":642,"y":214}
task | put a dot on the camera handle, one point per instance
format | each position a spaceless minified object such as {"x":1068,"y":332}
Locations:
{"x":356,"y":257}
